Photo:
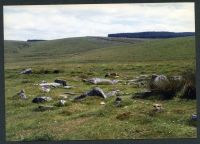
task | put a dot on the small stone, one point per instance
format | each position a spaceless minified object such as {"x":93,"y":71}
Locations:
{"x":102,"y":103}
{"x":61,"y":102}
{"x":158,"y":107}
{"x":21,"y":94}
{"x":68,"y":87}
{"x":45,"y":88}
{"x":194,"y":117}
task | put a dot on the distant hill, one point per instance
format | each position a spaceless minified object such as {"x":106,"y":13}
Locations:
{"x":35,"y":40}
{"x":100,"y":49}
{"x":152,"y":34}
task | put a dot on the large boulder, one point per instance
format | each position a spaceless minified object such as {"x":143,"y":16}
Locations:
{"x":159,"y":83}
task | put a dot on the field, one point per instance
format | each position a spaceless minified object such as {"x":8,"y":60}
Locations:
{"x":87,"y":57}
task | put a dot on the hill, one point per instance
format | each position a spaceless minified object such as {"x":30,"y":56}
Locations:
{"x":59,"y":48}
{"x":100,"y":49}
{"x":152,"y":34}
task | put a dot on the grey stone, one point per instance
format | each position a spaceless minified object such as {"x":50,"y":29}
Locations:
{"x":61,"y":102}
{"x":94,"y":92}
{"x":41,"y":99}
{"x":159,"y":83}
{"x":62,"y":82}
{"x":50,"y":84}
{"x":26,"y":71}
{"x":100,"y":81}
{"x":22,"y":94}
{"x":194,"y":117}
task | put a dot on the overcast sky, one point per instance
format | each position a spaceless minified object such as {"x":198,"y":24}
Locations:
{"x":61,"y":21}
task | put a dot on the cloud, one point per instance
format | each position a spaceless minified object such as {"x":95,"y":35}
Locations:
{"x":60,"y":21}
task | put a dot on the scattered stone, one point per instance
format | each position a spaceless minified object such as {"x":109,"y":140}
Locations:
{"x":61,"y":102}
{"x":118,"y":101}
{"x":100,"y":81}
{"x":157,"y":107}
{"x":41,"y":99}
{"x":62,"y":82}
{"x":194,"y":117}
{"x":50,"y":84}
{"x":45,"y":88}
{"x":94,"y":92}
{"x":68,"y":87}
{"x":22,"y":94}
{"x":26,"y":71}
{"x":44,"y":108}
{"x":102,"y":103}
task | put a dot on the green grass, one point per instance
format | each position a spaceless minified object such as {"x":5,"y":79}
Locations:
{"x":86,"y":57}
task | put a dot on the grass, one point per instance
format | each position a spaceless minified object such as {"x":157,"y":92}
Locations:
{"x":88,"y":119}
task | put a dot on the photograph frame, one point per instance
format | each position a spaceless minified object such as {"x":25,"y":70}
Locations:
{"x":55,"y":2}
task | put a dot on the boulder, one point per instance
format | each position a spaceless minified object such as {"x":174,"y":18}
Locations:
{"x":22,"y":94}
{"x":118,"y":102}
{"x":45,"y":88}
{"x":26,"y":71}
{"x":50,"y":84}
{"x":94,"y":92}
{"x":61,"y":102}
{"x":194,"y":117}
{"x":41,"y":99}
{"x":100,"y":81}
{"x":157,"y":107}
{"x":62,"y":82}
{"x":159,"y":83}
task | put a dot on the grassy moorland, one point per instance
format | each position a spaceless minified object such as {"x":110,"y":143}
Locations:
{"x":85,"y":57}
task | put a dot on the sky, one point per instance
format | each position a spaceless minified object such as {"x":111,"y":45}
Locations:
{"x":62,"y":21}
